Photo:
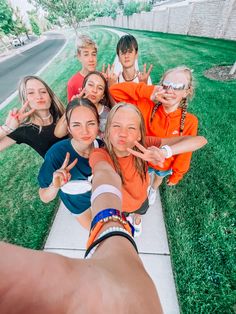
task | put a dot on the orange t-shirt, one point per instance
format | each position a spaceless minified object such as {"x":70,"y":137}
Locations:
{"x":163,"y":124}
{"x":134,"y":190}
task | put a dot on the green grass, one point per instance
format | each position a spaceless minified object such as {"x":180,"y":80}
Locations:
{"x":199,"y":212}
{"x":24,"y":219}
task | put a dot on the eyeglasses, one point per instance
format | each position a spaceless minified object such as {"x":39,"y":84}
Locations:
{"x":175,"y":86}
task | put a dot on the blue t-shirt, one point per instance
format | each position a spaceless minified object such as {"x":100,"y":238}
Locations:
{"x":54,"y":158}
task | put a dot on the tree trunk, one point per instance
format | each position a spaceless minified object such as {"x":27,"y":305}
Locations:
{"x":233,"y":69}
{"x":4,"y":44}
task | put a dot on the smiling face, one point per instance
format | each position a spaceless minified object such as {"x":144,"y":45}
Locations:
{"x":172,"y":83}
{"x":83,"y":126}
{"x":124,"y":130}
{"x":37,"y":95}
{"x":94,"y":88}
{"x":88,"y":58}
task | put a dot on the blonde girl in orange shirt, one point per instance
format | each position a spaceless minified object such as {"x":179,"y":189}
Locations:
{"x":127,"y":151}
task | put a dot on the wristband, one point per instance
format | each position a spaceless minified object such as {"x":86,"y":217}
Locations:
{"x":106,"y":236}
{"x":105,"y":216}
{"x":108,"y":212}
{"x":105,"y":188}
{"x":94,"y":245}
{"x":168,"y":151}
{"x":7,"y":129}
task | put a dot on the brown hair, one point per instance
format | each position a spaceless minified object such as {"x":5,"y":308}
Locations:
{"x":107,"y":100}
{"x":80,"y":102}
{"x":140,"y":164}
{"x":184,"y":102}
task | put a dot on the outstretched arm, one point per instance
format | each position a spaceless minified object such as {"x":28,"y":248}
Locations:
{"x":184,"y":144}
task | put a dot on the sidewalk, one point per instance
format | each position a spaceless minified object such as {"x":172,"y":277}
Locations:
{"x":68,"y":238}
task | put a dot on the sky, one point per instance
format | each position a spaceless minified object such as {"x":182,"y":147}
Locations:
{"x":24,"y":6}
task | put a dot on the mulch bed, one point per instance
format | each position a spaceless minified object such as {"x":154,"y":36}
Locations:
{"x":220,"y":73}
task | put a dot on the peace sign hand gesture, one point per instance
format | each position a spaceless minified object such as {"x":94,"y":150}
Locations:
{"x":81,"y":93}
{"x":62,"y":175}
{"x":16,"y":116}
{"x":143,"y":76}
{"x":111,"y":76}
{"x":151,"y":154}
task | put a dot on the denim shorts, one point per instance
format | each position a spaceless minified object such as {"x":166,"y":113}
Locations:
{"x":142,"y":209}
{"x":160,"y":173}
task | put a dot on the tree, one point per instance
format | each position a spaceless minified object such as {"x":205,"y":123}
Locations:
{"x":131,"y":7}
{"x":34,"y":22}
{"x":106,"y":8}
{"x":19,"y":25}
{"x":71,"y":11}
{"x":6,"y":18}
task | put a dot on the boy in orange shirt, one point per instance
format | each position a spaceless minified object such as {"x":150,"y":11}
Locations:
{"x":87,"y":56}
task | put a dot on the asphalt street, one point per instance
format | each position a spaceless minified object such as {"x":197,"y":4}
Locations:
{"x":28,"y":62}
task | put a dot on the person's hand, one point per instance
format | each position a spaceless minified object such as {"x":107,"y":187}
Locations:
{"x":144,"y":75}
{"x":151,"y":154}
{"x":111,"y":76}
{"x":159,"y":95}
{"x":16,"y":116}
{"x":62,"y":175}
{"x":104,"y":72}
{"x":81,"y":93}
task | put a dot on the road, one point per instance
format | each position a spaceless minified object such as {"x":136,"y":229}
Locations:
{"x":28,"y":62}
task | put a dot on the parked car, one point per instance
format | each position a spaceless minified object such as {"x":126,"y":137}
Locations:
{"x":18,"y":41}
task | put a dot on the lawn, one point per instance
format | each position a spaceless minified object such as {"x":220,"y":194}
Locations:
{"x":199,"y":212}
{"x":24,"y":219}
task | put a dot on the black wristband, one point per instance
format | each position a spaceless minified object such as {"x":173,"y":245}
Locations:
{"x":108,"y":235}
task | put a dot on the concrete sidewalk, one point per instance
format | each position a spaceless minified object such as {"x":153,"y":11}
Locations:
{"x":68,"y":238}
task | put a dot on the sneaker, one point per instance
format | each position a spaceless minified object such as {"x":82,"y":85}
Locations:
{"x":137,"y":228}
{"x":152,"y":194}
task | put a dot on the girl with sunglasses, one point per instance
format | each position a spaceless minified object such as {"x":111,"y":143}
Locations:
{"x":164,"y":108}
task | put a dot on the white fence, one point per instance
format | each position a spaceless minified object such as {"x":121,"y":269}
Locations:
{"x":208,"y":18}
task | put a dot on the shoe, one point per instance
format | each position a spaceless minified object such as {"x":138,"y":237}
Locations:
{"x":152,"y":194}
{"x":137,"y":228}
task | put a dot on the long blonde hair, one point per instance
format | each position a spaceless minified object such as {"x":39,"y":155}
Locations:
{"x":184,"y":102}
{"x":56,"y":109}
{"x":140,"y":164}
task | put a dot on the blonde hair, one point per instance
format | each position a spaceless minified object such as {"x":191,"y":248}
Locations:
{"x":84,"y":41}
{"x":140,"y":164}
{"x":184,"y":102}
{"x":56,"y":109}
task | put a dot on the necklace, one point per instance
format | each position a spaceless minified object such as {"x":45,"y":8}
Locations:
{"x":130,"y":80}
{"x":46,"y":118}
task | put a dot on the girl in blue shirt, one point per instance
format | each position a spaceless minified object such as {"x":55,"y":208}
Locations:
{"x":66,"y":167}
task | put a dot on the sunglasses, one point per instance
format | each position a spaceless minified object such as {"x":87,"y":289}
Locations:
{"x":175,"y":86}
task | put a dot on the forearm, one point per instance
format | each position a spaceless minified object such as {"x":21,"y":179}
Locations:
{"x":105,"y":174}
{"x":5,"y":130}
{"x":61,"y":127}
{"x":184,"y":144}
{"x":48,"y":194}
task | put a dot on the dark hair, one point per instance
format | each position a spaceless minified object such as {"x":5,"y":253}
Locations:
{"x":80,"y":102}
{"x":125,"y":43}
{"x":107,"y":99}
